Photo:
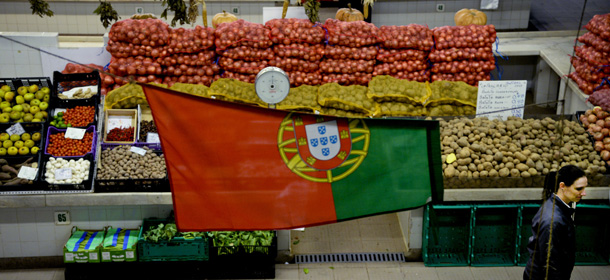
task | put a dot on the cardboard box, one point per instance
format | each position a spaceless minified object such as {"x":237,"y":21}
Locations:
{"x":83,"y":246}
{"x":120,"y":245}
{"x":120,"y":118}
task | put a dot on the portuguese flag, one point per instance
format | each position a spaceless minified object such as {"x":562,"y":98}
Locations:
{"x":242,"y":167}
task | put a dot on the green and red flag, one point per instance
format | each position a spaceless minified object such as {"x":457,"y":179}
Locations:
{"x":241,"y":167}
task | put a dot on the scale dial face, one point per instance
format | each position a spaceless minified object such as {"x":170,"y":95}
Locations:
{"x":272,"y":85}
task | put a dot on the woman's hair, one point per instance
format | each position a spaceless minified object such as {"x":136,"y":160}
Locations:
{"x":567,"y":174}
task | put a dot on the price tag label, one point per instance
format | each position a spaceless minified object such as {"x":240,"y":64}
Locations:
{"x":75,"y":133}
{"x":501,"y":99}
{"x":138,"y":151}
{"x":152,"y":137}
{"x":15,"y":129}
{"x":26,"y":172}
{"x":63,"y":174}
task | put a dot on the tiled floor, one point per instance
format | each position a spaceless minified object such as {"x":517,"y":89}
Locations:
{"x":363,"y":271}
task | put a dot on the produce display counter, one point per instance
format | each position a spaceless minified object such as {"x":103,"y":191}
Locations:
{"x":112,"y":199}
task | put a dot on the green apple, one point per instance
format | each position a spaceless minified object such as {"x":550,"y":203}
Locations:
{"x":17,"y":108}
{"x":43,"y":105}
{"x":9,"y":95}
{"x":46,"y":98}
{"x":22,"y":90}
{"x":35,"y":102}
{"x":28,"y":117}
{"x":4,"y":118}
{"x":38,"y":115}
{"x":28,"y":97}
{"x":19,"y":99}
{"x":7,"y":109}
{"x":39,"y":95}
{"x":45,"y":114}
{"x":4,"y":104}
{"x":33,"y":88}
{"x":26,"y":107}
{"x":15,"y":115}
{"x":45,"y":90}
{"x":5,"y":88}
{"x":36,"y":120}
{"x":34,"y":109}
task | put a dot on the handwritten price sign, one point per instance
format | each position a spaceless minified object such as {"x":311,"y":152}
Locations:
{"x":501,"y":99}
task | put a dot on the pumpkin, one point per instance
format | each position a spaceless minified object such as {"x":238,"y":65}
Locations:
{"x":223,"y":17}
{"x":470,"y":16}
{"x":349,"y":14}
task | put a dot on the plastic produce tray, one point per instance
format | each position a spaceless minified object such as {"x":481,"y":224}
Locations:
{"x":132,"y":185}
{"x":70,"y":106}
{"x":177,"y":249}
{"x":84,"y":185}
{"x":592,"y":234}
{"x":446,"y":235}
{"x":64,"y":82}
{"x":494,"y":235}
{"x":53,"y":130}
{"x":30,"y":128}
{"x":36,"y":183}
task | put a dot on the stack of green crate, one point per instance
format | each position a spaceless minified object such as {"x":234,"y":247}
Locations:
{"x":592,"y":234}
{"x":175,"y":249}
{"x":527,"y":213}
{"x":494,"y":235}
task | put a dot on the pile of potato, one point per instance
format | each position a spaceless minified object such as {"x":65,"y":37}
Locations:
{"x":483,"y":153}
{"x":120,"y":163}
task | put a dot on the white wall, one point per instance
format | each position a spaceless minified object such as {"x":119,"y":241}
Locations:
{"x":78,"y":17}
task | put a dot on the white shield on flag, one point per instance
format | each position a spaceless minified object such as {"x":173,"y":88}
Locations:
{"x":323,"y":139}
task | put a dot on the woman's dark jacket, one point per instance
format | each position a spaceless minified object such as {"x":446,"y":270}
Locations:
{"x":563,"y":242}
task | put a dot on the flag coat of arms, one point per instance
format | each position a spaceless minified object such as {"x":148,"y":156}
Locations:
{"x":239,"y":167}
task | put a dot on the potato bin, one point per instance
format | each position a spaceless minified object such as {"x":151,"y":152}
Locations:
{"x":120,"y":245}
{"x":83,"y":246}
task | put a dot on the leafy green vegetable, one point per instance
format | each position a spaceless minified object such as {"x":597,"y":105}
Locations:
{"x":107,"y":13}
{"x":306,"y":270}
{"x":179,"y":9}
{"x":168,"y":231}
{"x":40,"y":8}
{"x":230,"y":242}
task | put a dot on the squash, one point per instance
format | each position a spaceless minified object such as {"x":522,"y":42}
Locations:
{"x":349,"y":14}
{"x":223,"y":17}
{"x":470,"y":16}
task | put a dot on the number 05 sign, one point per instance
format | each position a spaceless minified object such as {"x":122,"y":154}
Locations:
{"x":62,"y":218}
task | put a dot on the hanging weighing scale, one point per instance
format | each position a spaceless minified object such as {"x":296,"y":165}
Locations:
{"x":272,"y":85}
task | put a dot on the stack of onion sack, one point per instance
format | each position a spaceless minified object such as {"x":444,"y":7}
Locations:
{"x":404,"y":52}
{"x":244,"y":49}
{"x":398,"y":97}
{"x":299,"y":48}
{"x":463,"y":53}
{"x":135,"y":46}
{"x":351,"y":52}
{"x":71,"y":68}
{"x":592,"y":61}
{"x":191,"y":57}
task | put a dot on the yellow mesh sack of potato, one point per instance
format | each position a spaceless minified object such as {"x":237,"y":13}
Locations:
{"x":438,"y":110}
{"x":193,"y":89}
{"x":235,"y":91}
{"x":386,"y":88}
{"x":401,"y":109}
{"x":447,"y":92}
{"x":302,"y":98}
{"x":342,"y":113}
{"x":127,"y":96}
{"x":346,"y":98}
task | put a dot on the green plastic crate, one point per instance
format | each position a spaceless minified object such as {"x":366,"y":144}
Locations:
{"x":446,"y":235}
{"x":494,"y":235}
{"x":528,"y":211}
{"x":177,"y":249}
{"x":592,"y":234}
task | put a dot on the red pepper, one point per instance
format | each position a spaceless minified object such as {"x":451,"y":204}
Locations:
{"x":120,"y":134}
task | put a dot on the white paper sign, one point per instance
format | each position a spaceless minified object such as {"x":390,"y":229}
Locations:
{"x":75,"y":133}
{"x":15,"y":129}
{"x":152,"y":137}
{"x":63,"y":173}
{"x":501,"y":99}
{"x":138,"y":150}
{"x":26,"y":172}
{"x":118,"y":122}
